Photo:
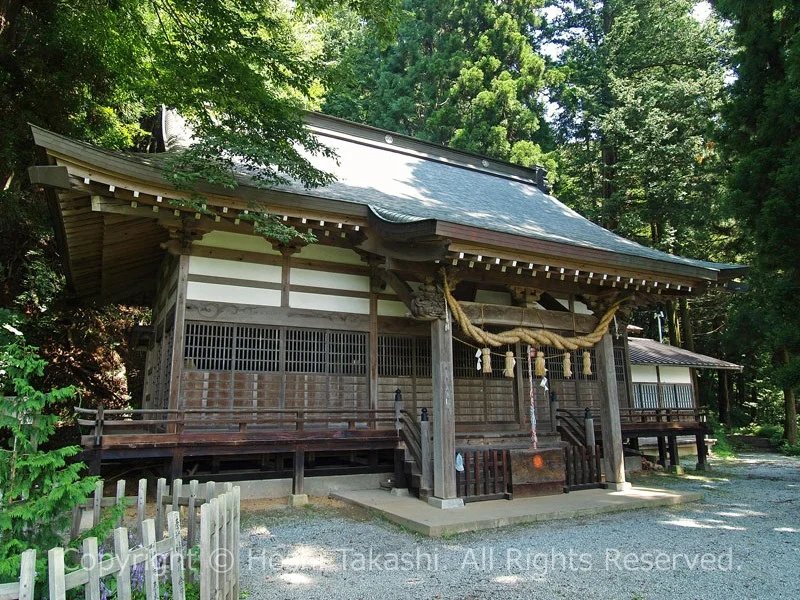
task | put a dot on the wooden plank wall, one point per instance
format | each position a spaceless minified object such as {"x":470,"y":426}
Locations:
{"x":157,"y":362}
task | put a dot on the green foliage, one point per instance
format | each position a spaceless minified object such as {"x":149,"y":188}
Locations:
{"x":789,"y":449}
{"x":723,"y":447}
{"x":464,"y":74}
{"x":39,"y":488}
{"x":762,"y":139}
{"x":639,"y":86}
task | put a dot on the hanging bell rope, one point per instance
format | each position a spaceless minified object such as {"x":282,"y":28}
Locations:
{"x":567,"y":366}
{"x":533,"y":337}
{"x":587,"y":362}
{"x":510,"y":364}
{"x":486,"y":360}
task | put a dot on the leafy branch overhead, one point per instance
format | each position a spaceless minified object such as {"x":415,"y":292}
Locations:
{"x":240,"y":73}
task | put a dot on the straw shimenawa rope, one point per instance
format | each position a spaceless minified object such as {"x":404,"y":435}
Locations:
{"x":534,"y":337}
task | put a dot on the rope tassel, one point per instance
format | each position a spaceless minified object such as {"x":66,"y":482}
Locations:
{"x":567,"y":366}
{"x":486,"y":359}
{"x":510,"y":364}
{"x":587,"y":363}
{"x":539,"y":367}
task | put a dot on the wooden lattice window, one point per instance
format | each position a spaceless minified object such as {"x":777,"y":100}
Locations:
{"x":404,"y":356}
{"x":305,"y":351}
{"x":257,"y":349}
{"x":209,"y":346}
{"x":347,"y":353}
{"x":395,"y":356}
{"x":335,"y":352}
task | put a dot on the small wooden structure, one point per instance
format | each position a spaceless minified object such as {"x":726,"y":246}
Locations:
{"x":664,"y":381}
{"x":304,"y":354}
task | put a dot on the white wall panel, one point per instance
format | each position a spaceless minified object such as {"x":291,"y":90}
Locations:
{"x":390,"y":308}
{"x":214,"y":267}
{"x":676,"y":375}
{"x":234,"y":294}
{"x":359,"y":306}
{"x":647,"y":374}
{"x":333,"y":281}
{"x":643,"y":374}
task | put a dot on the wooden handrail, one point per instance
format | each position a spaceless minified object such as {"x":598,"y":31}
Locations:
{"x":123,"y":421}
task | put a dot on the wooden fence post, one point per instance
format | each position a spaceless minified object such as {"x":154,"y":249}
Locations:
{"x":98,"y":499}
{"x":205,"y":550}
{"x":235,"y":547}
{"x":120,"y":499}
{"x":27,"y":575}
{"x":124,"y":573}
{"x":141,"y":501}
{"x":177,"y":488}
{"x":55,"y":571}
{"x":176,"y":554}
{"x":151,"y":562}
{"x":92,"y":557}
{"x":161,"y":491}
{"x":191,"y":526}
{"x":211,"y":490}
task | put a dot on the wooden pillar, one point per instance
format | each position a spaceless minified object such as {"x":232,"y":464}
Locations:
{"x":444,"y":417}
{"x":176,"y":370}
{"x":609,"y":415}
{"x":674,"y":459}
{"x":373,"y":354}
{"x":298,"y":472}
{"x":662,"y":451}
{"x":659,"y":389}
{"x":702,"y":452}
{"x":176,"y":466}
{"x":626,"y":359}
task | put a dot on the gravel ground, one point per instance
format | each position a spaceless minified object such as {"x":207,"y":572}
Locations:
{"x":740,"y":542}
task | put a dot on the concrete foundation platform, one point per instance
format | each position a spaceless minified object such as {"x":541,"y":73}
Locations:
{"x":420,"y":517}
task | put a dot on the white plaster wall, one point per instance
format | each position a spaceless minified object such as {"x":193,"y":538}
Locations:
{"x":333,"y":281}
{"x":676,"y":375}
{"x":647,"y":374}
{"x":359,"y":306}
{"x":235,"y":294}
{"x":390,"y":308}
{"x":643,"y":374}
{"x":214,"y":267}
{"x":237,"y":241}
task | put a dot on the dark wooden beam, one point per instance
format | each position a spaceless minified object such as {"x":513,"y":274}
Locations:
{"x":400,"y":287}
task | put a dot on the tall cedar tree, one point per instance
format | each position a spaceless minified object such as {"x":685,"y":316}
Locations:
{"x":464,"y":74}
{"x":762,"y":135}
{"x":639,"y":85}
